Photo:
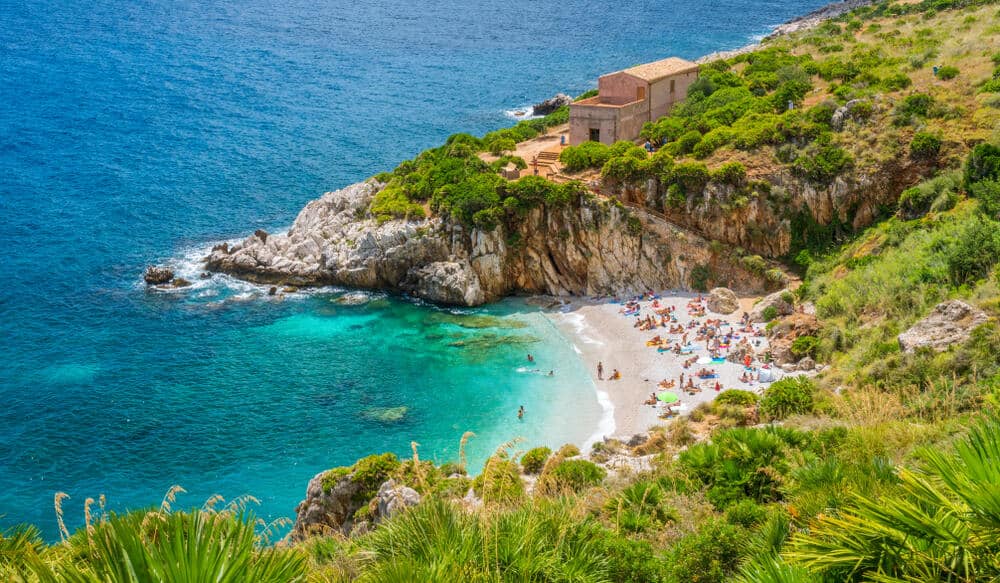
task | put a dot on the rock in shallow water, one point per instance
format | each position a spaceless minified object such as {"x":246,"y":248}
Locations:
{"x":551,"y":104}
{"x":158,"y":275}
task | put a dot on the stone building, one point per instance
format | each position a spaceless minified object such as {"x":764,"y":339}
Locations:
{"x":628,"y":99}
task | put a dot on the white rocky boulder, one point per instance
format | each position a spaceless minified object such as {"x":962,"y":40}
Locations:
{"x":948,"y":324}
{"x":392,"y":498}
{"x":722,"y":300}
{"x":777,"y":300}
{"x":445,"y":282}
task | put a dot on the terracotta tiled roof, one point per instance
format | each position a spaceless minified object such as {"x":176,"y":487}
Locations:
{"x":659,"y":69}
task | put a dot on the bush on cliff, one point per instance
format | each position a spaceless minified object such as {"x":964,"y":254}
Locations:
{"x":391,"y":203}
{"x":925,"y":146}
{"x":534,"y":459}
{"x":500,"y":481}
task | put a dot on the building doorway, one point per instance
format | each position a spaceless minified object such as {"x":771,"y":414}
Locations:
{"x":595,"y":134}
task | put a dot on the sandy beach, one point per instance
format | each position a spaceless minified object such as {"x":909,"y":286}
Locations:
{"x":601,"y":333}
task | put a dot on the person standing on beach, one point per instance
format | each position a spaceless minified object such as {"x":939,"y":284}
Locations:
{"x":600,"y":371}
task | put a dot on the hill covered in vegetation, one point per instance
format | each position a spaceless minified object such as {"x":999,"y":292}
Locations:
{"x":883,"y":467}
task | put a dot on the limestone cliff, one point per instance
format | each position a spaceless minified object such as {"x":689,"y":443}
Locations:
{"x":594,"y":247}
{"x":765,"y":223}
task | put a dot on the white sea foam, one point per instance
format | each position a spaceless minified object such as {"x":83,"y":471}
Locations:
{"x":606,"y":427}
{"x":189,"y":264}
{"x":521,"y":113}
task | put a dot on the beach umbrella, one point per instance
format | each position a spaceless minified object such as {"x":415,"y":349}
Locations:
{"x":705,"y":360}
{"x":667,"y":397}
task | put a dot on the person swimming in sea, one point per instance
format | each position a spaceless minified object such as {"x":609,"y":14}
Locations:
{"x":520,"y":412}
{"x":531,"y":358}
{"x":552,"y":373}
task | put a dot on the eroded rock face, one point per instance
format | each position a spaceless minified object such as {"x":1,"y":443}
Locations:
{"x":764,"y":224}
{"x":949,"y":323}
{"x":587,"y":249}
{"x":553,"y":103}
{"x":722,"y":300}
{"x":327,"y":509}
{"x":844,"y":113}
{"x":784,"y":333}
{"x":393,"y":498}
{"x":775,"y":300}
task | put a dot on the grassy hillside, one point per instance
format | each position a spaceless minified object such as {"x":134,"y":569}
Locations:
{"x":884,"y":467}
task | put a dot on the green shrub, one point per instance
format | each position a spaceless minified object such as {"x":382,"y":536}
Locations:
{"x":983,"y":163}
{"x":769,"y":313}
{"x":685,"y":144}
{"x":746,"y":513}
{"x":742,"y":463}
{"x":586,"y":155}
{"x":947,"y":73}
{"x":823,"y":165}
{"x":391,"y":203}
{"x":731,"y":173}
{"x":568,"y":450}
{"x":788,"y":396}
{"x":534,"y":459}
{"x":500,"y":481}
{"x":501,"y":145}
{"x":896,"y":82}
{"x":987,"y":193}
{"x":912,"y":106}
{"x":736,"y":397}
{"x":712,"y":554}
{"x":974,"y":251}
{"x":640,"y":507}
{"x":627,"y":166}
{"x":333,"y":476}
{"x":692,"y":177}
{"x":675,"y":197}
{"x":805,"y":346}
{"x":939,"y":193}
{"x":700,"y":276}
{"x":754,"y":264}
{"x":370,"y":472}
{"x":990,"y":86}
{"x":452,"y":468}
{"x":925,"y":146}
{"x":578,"y":474}
{"x":712,"y":141}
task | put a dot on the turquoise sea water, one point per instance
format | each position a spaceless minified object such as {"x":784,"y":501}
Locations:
{"x":140,"y":132}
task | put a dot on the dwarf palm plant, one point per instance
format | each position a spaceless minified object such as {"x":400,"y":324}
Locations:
{"x":158,"y":546}
{"x":438,"y":541}
{"x":941,"y":524}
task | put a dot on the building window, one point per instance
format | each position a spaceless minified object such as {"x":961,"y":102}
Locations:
{"x":672,"y":82}
{"x":595,"y":135}
{"x":640,"y":93}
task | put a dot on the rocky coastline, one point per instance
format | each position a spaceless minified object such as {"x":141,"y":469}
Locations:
{"x":592,"y":248}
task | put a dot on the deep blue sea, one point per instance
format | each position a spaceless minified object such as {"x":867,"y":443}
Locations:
{"x":134,"y":132}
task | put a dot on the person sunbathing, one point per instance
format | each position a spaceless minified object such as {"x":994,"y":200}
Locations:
{"x":651,"y":400}
{"x":616,"y":375}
